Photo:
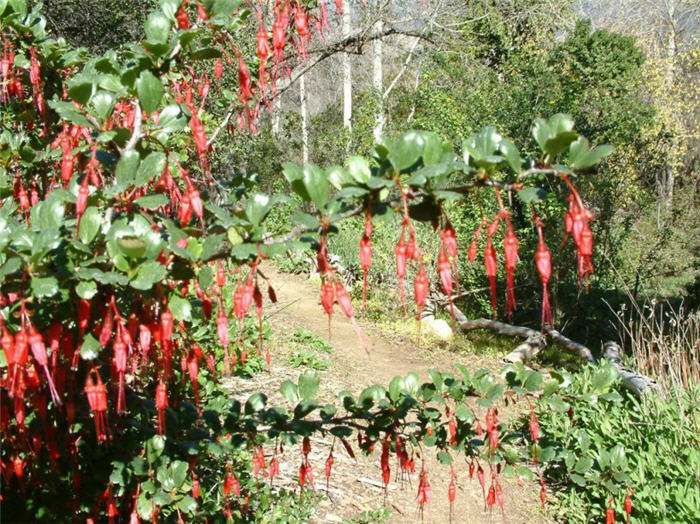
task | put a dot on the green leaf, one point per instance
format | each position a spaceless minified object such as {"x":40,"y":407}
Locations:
{"x":171,"y":119}
{"x":148,"y":274}
{"x":444,"y":457}
{"x":338,"y":176}
{"x":180,"y":307}
{"x":52,"y":210}
{"x":289,"y":391}
{"x":316,"y":185}
{"x":103,"y":103}
{"x":396,"y":387}
{"x":44,"y":287}
{"x":405,"y":151}
{"x":150,"y":91}
{"x":187,"y":504}
{"x":555,"y":135}
{"x":10,"y":266}
{"x":144,"y":507}
{"x":90,"y":347}
{"x":151,"y":167}
{"x":410,"y":383}
{"x":358,"y":169}
{"x":157,"y":27}
{"x":603,"y":378}
{"x":531,"y":194}
{"x":206,"y":53}
{"x":581,"y":157}
{"x":154,"y":448}
{"x":178,"y":472}
{"x":255,"y":402}
{"x":308,"y":384}
{"x":162,"y":498}
{"x":67,"y":111}
{"x":127,"y":167}
{"x":152,"y":201}
{"x":80,"y":91}
{"x":310,"y":222}
{"x":89,"y":225}
{"x":512,"y":155}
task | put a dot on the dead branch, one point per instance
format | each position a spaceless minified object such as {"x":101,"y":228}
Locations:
{"x":536,"y":341}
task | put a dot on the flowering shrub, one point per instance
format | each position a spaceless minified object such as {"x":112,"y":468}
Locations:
{"x":127,"y":293}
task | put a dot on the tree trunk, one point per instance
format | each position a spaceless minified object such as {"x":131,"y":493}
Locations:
{"x":378,"y":82}
{"x":304,"y":120}
{"x":347,"y":71}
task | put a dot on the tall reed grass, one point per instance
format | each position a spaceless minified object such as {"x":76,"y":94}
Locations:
{"x":664,"y":342}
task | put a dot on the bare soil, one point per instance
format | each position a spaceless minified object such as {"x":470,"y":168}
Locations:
{"x":355,"y":485}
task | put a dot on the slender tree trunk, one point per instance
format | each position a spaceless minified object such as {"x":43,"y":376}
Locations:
{"x":347,"y":71}
{"x":670,"y":80}
{"x":304,"y":120}
{"x":276,"y":115}
{"x":378,"y":81}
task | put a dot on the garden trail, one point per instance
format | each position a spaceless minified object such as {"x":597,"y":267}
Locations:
{"x":355,"y":484}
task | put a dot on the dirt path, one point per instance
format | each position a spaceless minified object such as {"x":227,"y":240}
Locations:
{"x":355,"y":485}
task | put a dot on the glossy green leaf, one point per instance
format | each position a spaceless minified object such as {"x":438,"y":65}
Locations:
{"x":157,"y":27}
{"x":44,"y":287}
{"x":148,"y":274}
{"x":308,"y":384}
{"x":90,"y":224}
{"x":152,"y":166}
{"x":90,"y":347}
{"x":86,"y":289}
{"x":150,"y":91}
{"x":316,"y":185}
{"x":152,"y":201}
{"x":181,"y":308}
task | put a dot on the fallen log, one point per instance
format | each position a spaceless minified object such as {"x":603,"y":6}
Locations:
{"x":636,"y":383}
{"x":535,"y":341}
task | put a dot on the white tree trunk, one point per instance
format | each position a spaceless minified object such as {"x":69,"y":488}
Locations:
{"x":276,"y":115}
{"x":304,"y":120}
{"x":378,"y":81}
{"x":347,"y":71}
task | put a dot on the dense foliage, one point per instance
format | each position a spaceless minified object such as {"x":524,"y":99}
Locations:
{"x":126,"y":291}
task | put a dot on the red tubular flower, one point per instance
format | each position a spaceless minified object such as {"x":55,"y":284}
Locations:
{"x":610,"y":513}
{"x":96,"y":393}
{"x":491,"y":497}
{"x":343,"y":299}
{"x":161,"y":404}
{"x":401,"y":255}
{"x":36,"y":342}
{"x":195,"y":487}
{"x":81,"y":201}
{"x":425,"y":492}
{"x":543,"y":494}
{"x":384,"y":461}
{"x":365,"y":262}
{"x":491,"y":271}
{"x":183,"y":21}
{"x":445,"y":272}
{"x":510,"y":248}
{"x":222,"y":332}
{"x":258,"y":300}
{"x":200,"y":140}
{"x":421,"y":288}
{"x":543,"y":261}
{"x":120,"y":357}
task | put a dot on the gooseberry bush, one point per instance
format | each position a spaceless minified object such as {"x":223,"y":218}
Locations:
{"x":128,"y":295}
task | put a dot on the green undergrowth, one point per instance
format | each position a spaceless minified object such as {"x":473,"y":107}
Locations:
{"x":614,"y":444}
{"x":307,"y":350}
